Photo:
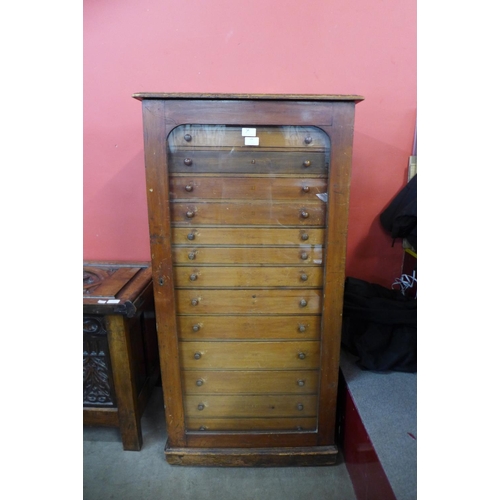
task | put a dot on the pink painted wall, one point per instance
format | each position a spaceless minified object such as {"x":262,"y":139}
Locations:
{"x":365,"y":47}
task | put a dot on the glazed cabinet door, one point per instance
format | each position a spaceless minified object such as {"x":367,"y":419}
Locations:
{"x":248,"y":207}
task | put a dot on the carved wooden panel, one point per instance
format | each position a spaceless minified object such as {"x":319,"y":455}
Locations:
{"x":98,"y":387}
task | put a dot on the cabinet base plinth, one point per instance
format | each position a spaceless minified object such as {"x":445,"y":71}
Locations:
{"x":252,"y":457}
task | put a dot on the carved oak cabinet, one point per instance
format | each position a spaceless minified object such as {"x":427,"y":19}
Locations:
{"x":248,"y":202}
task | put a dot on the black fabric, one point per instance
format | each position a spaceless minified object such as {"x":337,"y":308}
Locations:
{"x":379,"y":327}
{"x":400,"y":217}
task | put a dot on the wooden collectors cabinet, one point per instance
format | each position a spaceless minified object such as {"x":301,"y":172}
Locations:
{"x":248,"y":202}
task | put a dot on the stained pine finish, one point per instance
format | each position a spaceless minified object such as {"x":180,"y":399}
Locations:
{"x":247,"y":200}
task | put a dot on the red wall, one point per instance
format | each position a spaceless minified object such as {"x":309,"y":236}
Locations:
{"x":365,"y":47}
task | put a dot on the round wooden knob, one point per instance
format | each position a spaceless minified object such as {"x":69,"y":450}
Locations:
{"x":303,"y":303}
{"x":197,"y":355}
{"x":201,"y":406}
{"x":300,"y":407}
{"x":189,"y":188}
{"x":203,"y":428}
{"x":305,"y":189}
{"x":307,"y":163}
{"x":308,"y":139}
{"x":187,"y":137}
{"x":193,"y":277}
{"x":302,"y":328}
{"x":199,"y":382}
{"x":191,"y":256}
{"x":188,"y":162}
{"x":190,"y":214}
{"x":304,"y":236}
{"x":194,"y":302}
{"x":303,"y":277}
{"x":303,"y":214}
{"x":301,"y":383}
{"x":196,"y":328}
{"x":304,"y":255}
{"x":191,"y":236}
{"x":301,"y":355}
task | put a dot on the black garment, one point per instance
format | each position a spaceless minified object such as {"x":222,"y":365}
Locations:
{"x":400,"y":217}
{"x":379,"y":327}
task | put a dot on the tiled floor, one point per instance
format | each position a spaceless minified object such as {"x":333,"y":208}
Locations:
{"x":111,"y":473}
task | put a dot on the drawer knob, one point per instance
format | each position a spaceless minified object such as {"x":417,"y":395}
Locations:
{"x":190,"y":236}
{"x":191,"y":256}
{"x":300,"y":407}
{"x":301,"y":383}
{"x":299,"y":427}
{"x":199,"y":382}
{"x":193,"y":277}
{"x":302,"y":303}
{"x":188,"y":162}
{"x":201,"y":406}
{"x":197,"y":355}
{"x":304,"y":255}
{"x":203,"y":428}
{"x":190,"y":214}
{"x":303,"y":277}
{"x":196,"y":328}
{"x":302,"y":355}
{"x":187,"y":137}
{"x":304,"y":214}
{"x":304,"y":236}
{"x":307,"y":163}
{"x":194,"y":302}
{"x":302,"y":328}
{"x":189,"y":188}
{"x":308,"y":139}
{"x":305,"y":189}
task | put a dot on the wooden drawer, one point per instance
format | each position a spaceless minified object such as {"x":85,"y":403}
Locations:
{"x":247,"y":162}
{"x":299,"y":256}
{"x":293,"y":301}
{"x":302,"y":355}
{"x":192,"y":136}
{"x":254,"y":188}
{"x":247,"y":277}
{"x":251,"y":406}
{"x":250,"y":382}
{"x":249,"y":213}
{"x":248,"y":327}
{"x":252,"y":424}
{"x":246,"y":236}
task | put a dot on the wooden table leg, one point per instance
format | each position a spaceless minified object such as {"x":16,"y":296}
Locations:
{"x":125,"y":383}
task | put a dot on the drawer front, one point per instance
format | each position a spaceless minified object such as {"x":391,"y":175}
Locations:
{"x":192,"y":136}
{"x":247,"y":277}
{"x":249,"y":213}
{"x":247,"y":162}
{"x":301,"y":355}
{"x":250,"y":382}
{"x":300,"y":256}
{"x":255,"y":188}
{"x":293,"y":301}
{"x":251,"y":406}
{"x":248,"y":327}
{"x":246,"y":236}
{"x":251,"y":424}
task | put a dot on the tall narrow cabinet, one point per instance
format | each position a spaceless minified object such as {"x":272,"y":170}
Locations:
{"x":248,"y":201}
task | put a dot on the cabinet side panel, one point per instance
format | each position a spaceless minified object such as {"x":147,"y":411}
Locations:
{"x":155,"y":133}
{"x":341,"y":135}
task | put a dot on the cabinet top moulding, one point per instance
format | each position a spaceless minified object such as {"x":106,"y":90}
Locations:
{"x":290,"y":97}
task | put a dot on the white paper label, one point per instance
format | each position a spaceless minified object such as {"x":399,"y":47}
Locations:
{"x":113,"y":301}
{"x":251,"y":141}
{"x":248,"y":132}
{"x":101,"y":302}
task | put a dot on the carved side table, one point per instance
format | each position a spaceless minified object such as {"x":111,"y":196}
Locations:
{"x":120,"y":349}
